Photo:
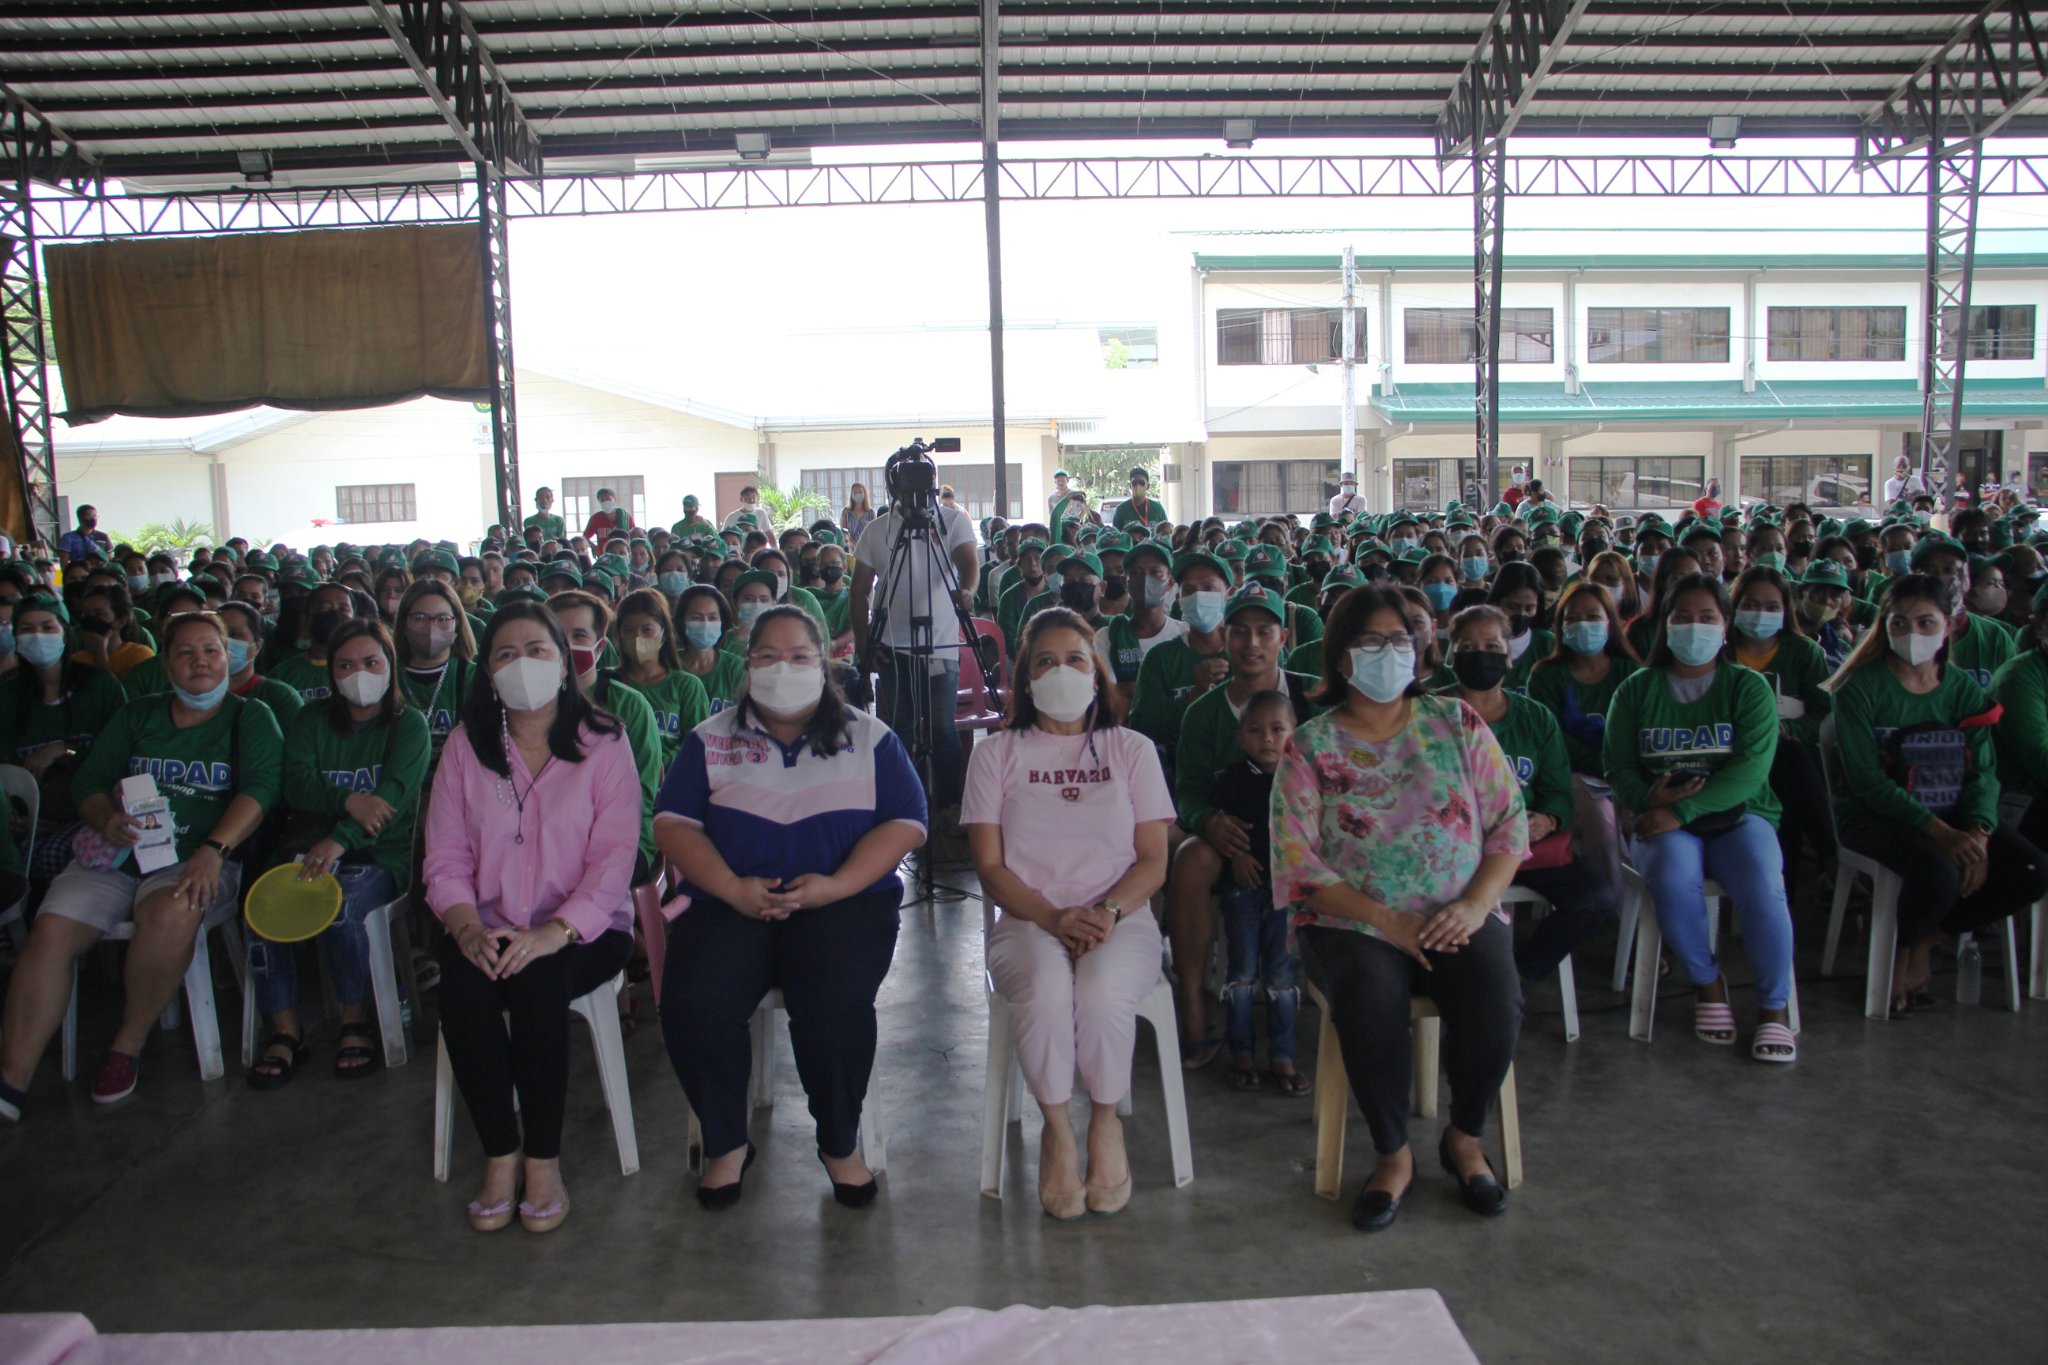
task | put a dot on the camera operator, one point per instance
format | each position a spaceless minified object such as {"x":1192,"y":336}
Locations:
{"x":914,"y":588}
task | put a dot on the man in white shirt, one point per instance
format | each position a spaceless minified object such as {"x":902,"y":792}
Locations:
{"x":1060,"y":491}
{"x":1347,"y":503}
{"x":1903,"y":483}
{"x":750,"y":515}
{"x":917,"y":590}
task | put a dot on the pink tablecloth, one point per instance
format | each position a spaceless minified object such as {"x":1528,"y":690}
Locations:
{"x":1409,"y":1326}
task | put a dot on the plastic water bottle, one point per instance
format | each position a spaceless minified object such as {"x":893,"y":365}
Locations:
{"x":1969,"y":973}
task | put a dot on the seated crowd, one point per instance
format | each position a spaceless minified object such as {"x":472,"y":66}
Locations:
{"x":1340,"y":741}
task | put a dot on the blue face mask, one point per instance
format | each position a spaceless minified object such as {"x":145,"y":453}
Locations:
{"x":238,"y":654}
{"x":674,"y":581}
{"x":1897,"y":562}
{"x":1440,"y":594}
{"x":40,"y":651}
{"x":202,"y":701}
{"x":1759,"y":625}
{"x":1383,"y":674}
{"x":1402,"y":545}
{"x":1585,"y":637}
{"x":749,"y":612}
{"x":1695,"y":644}
{"x":6,"y":641}
{"x":1475,"y":568}
{"x":1203,"y":610}
{"x":703,"y":634}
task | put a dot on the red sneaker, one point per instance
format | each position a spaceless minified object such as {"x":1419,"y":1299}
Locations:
{"x":116,"y":1078}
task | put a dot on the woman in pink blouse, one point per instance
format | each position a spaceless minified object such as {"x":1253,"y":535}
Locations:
{"x":1397,"y":824}
{"x":531,"y":834}
{"x":1066,"y":811}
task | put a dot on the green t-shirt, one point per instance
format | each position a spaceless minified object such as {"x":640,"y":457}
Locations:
{"x":1981,"y":650}
{"x":1541,"y":644}
{"x":837,"y":604}
{"x":199,"y":770}
{"x":1306,"y":659}
{"x":680,"y":705}
{"x":1159,"y":703}
{"x":1127,"y":652}
{"x":550,"y":525}
{"x":645,"y":736}
{"x":692,"y":526}
{"x":722,"y":683}
{"x":1731,"y":731}
{"x":1795,"y":673}
{"x":439,"y":697}
{"x":2021,"y":687}
{"x":1554,"y":688}
{"x":1208,"y":744}
{"x":1529,"y":736}
{"x":801,"y":597}
{"x":1152,"y":511}
{"x":1870,"y":706}
{"x":284,"y":702}
{"x":77,"y":720}
{"x":386,"y":758}
{"x":1641,"y":633}
{"x":303,"y":676}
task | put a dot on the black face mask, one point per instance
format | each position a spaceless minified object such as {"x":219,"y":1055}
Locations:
{"x":1080,"y":595}
{"x":95,"y":625}
{"x":1591,"y":548}
{"x":1510,"y":556}
{"x":1033,"y":576}
{"x":1113,"y":586}
{"x":1479,"y":670}
{"x":830,"y":574}
{"x":1866,"y":556}
{"x":322,"y":624}
{"x":1802,"y":549}
{"x":1518,"y":626}
{"x":1316,"y":569}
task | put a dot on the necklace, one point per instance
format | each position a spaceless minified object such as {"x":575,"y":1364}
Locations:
{"x":508,"y":785}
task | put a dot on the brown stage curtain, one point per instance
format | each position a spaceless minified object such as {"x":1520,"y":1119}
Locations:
{"x":13,"y":492}
{"x":345,"y":318}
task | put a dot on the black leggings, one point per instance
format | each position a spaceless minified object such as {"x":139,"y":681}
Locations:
{"x":1932,"y":901}
{"x":1369,"y":983}
{"x":490,"y":1064}
{"x":1581,"y":900}
{"x":828,"y":964}
{"x":1803,"y":812}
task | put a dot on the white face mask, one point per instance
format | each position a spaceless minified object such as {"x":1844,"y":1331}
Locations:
{"x":528,"y":684}
{"x":785,"y":688}
{"x":1064,"y":693}
{"x":364,"y":688}
{"x":782,"y":587}
{"x":606,"y":505}
{"x":1917,"y":649}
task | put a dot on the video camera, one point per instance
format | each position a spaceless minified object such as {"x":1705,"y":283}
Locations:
{"x":910,"y":477}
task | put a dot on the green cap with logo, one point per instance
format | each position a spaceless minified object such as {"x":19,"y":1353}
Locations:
{"x":1252,"y":597}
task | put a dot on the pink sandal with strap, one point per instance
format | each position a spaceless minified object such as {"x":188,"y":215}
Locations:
{"x":1774,"y":1043}
{"x":1713,"y":1022}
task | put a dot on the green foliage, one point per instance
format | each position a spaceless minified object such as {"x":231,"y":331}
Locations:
{"x":1105,"y":475}
{"x":174,"y":536}
{"x":787,"y":509}
{"x":1116,"y":355}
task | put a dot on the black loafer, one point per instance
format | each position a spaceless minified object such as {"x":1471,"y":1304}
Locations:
{"x":1375,"y":1210}
{"x":725,"y":1196}
{"x":1482,"y":1193}
{"x":852,"y":1196}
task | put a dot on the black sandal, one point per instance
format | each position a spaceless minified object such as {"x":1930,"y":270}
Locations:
{"x":274,"y":1073}
{"x":353,"y":1061}
{"x":1244,"y":1077}
{"x":1293,"y":1084}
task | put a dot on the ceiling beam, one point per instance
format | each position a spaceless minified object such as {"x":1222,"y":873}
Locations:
{"x":1979,"y":81}
{"x":437,"y":40}
{"x":1516,"y":52}
{"x":38,"y":149}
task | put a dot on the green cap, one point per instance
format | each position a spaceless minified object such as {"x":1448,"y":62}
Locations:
{"x":1317,"y":545}
{"x":43,"y":601}
{"x":259,"y":559}
{"x":1084,"y":558}
{"x":1935,"y":543}
{"x":1824,"y":573}
{"x":1700,"y":530}
{"x":1148,"y":549}
{"x":1231,"y":550}
{"x":562,"y":568}
{"x":1265,"y":561}
{"x":1188,"y":559}
{"x":1252,"y":597}
{"x":521,"y":592}
{"x":690,"y":503}
{"x":304,"y":577}
{"x":1342,"y":576}
{"x":1113,"y":542}
{"x":1413,"y":556}
{"x":1030,"y":543}
{"x":444,"y":560}
{"x":752,"y":576}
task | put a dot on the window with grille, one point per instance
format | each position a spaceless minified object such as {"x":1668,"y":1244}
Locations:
{"x":1820,"y":481}
{"x":837,"y":484}
{"x":1264,"y":488}
{"x":1997,"y":332}
{"x":974,"y":487}
{"x":1426,"y":485}
{"x":1629,"y":482}
{"x":1837,"y":333}
{"x":1449,"y":336}
{"x":578,"y":499}
{"x":1656,"y":336}
{"x":368,"y":502}
{"x":1286,"y":336}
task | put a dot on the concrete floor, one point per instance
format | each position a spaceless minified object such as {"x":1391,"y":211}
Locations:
{"x":1881,"y":1199}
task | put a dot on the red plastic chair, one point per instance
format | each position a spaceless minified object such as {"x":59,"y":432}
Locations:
{"x":978,"y":707}
{"x":652,"y":916}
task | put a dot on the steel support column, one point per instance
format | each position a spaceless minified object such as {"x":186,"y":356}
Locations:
{"x":992,"y":227}
{"x":497,"y":267}
{"x":1489,"y":217}
{"x":1952,"y":178}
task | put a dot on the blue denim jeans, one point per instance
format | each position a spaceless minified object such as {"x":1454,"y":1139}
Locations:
{"x":892,"y":702}
{"x":1255,"y":937}
{"x":1745,"y":860}
{"x":364,"y":887}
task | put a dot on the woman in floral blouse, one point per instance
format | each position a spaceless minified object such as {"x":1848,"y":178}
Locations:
{"x":1397,"y":824}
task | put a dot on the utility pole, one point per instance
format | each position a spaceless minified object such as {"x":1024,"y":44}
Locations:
{"x":1347,"y":424}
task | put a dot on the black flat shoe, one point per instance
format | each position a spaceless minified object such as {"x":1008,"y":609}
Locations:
{"x":725,"y":1196}
{"x":1482,"y":1193}
{"x":852,"y":1196}
{"x":1375,"y":1210}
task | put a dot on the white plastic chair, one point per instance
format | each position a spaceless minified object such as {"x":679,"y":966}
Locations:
{"x":2037,"y":976}
{"x":600,"y":1009}
{"x":874,"y":1147}
{"x":1003,"y":1086}
{"x":1650,"y":945}
{"x":1567,"y":983}
{"x":199,"y":1002}
{"x":19,"y":784}
{"x":1333,"y":1094}
{"x":383,"y":991}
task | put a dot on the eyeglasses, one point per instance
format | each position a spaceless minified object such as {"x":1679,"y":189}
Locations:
{"x":1373,"y":644}
{"x":420,"y":618}
{"x":802,"y":658}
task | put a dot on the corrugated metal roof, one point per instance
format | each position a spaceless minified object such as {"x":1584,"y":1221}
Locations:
{"x":156,"y":88}
{"x":1706,"y":400}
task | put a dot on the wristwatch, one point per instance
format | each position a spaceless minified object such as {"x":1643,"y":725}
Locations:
{"x":1114,"y":909}
{"x":568,"y":929}
{"x":226,"y":851}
